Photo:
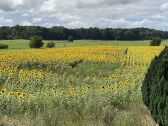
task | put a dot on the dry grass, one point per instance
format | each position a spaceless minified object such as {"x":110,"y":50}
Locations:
{"x":136,"y":115}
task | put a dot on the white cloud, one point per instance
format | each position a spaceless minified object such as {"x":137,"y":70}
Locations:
{"x":87,"y":13}
{"x":36,"y":20}
{"x":13,"y":5}
{"x":77,"y":24}
{"x":26,"y":23}
{"x":26,"y":15}
{"x":5,"y":22}
{"x":164,"y":6}
{"x":49,"y":25}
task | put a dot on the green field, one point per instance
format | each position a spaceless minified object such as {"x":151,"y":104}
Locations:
{"x":24,"y":44}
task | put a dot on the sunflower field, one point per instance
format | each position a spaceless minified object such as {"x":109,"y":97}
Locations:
{"x":93,"y":86}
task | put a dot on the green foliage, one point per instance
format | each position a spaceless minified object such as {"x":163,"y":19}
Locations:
{"x":36,"y":42}
{"x":50,"y":45}
{"x":155,"y":42}
{"x":3,"y":46}
{"x":155,"y":88}
{"x":62,"y":33}
{"x":70,"y":39}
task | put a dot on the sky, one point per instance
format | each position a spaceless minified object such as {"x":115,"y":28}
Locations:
{"x":85,"y":13}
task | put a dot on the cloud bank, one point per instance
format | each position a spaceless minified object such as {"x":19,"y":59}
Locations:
{"x":88,"y":13}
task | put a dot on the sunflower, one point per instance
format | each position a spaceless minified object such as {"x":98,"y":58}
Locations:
{"x":84,"y":93}
{"x":23,"y":94}
{"x":18,"y":93}
{"x":74,"y":89}
{"x":102,"y":87}
{"x":11,"y":94}
{"x":3,"y":90}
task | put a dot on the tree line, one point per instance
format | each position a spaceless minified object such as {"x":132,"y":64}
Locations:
{"x":62,"y":33}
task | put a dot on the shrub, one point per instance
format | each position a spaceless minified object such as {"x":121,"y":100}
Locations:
{"x":50,"y":45}
{"x":36,"y":42}
{"x":3,"y":46}
{"x":70,"y":39}
{"x":155,"y":42}
{"x":155,"y":88}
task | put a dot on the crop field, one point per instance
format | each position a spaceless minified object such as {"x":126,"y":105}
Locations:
{"x":79,"y":86}
{"x":24,"y":44}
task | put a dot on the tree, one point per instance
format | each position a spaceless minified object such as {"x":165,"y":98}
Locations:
{"x":3,"y":46}
{"x":36,"y":42}
{"x":50,"y":45}
{"x":70,"y":39}
{"x":155,"y":88}
{"x":155,"y":42}
{"x":129,"y":35}
{"x":93,"y":33}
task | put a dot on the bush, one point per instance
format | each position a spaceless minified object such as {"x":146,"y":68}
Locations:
{"x":155,"y":42}
{"x":3,"y":46}
{"x":70,"y":39}
{"x":155,"y":88}
{"x":36,"y":42}
{"x":50,"y":45}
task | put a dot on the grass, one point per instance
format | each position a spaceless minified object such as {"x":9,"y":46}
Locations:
{"x":24,"y":44}
{"x":165,"y":42}
{"x":132,"y":117}
{"x":16,"y":44}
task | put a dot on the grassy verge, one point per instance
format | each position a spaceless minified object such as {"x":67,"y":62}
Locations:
{"x":24,"y":44}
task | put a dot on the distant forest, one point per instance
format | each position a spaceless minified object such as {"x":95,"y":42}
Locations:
{"x":62,"y":33}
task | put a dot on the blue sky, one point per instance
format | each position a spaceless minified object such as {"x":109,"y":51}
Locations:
{"x":85,"y":13}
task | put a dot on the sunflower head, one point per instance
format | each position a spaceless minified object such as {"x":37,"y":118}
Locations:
{"x":11,"y":94}
{"x":102,"y":86}
{"x":18,"y":93}
{"x":3,"y":90}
